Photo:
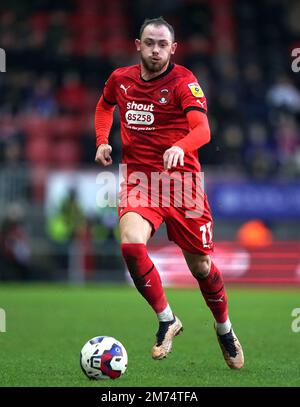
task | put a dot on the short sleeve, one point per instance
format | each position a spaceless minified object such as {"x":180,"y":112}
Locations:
{"x":190,"y":95}
{"x":109,"y":93}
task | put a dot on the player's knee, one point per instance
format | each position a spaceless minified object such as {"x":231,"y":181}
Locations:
{"x":134,"y":228}
{"x":131,"y":236}
{"x":201,"y":268}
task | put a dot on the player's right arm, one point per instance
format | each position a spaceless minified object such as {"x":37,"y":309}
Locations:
{"x":103,"y":122}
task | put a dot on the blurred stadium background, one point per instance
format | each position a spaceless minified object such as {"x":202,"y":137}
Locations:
{"x":58,"y":56}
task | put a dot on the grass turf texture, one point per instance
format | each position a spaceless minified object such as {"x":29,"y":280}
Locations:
{"x":48,"y":324}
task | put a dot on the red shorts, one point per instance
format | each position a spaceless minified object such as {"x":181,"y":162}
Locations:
{"x":190,"y":229}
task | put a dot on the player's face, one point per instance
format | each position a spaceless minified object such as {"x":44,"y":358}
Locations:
{"x":156,"y":47}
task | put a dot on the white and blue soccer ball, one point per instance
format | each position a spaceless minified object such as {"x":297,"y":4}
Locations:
{"x":103,"y":357}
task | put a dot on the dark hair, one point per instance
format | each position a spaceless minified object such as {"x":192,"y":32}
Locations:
{"x":157,"y":22}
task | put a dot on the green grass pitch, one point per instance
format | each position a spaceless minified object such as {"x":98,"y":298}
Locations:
{"x":46,"y":326}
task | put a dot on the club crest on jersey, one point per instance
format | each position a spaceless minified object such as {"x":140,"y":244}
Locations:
{"x":196,"y":89}
{"x":163,"y":100}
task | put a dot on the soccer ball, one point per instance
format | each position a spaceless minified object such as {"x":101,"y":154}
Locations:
{"x":103,"y":357}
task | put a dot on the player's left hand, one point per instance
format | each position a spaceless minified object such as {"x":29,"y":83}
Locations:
{"x":172,"y":156}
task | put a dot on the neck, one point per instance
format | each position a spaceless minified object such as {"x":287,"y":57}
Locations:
{"x":147,"y":75}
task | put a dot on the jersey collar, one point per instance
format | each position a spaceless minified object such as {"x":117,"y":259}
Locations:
{"x":169,"y":69}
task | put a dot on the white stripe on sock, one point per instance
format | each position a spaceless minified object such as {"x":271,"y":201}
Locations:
{"x":223,"y":328}
{"x":166,"y":314}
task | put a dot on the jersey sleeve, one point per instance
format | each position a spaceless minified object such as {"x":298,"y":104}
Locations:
{"x":109,"y":91}
{"x":190,"y":95}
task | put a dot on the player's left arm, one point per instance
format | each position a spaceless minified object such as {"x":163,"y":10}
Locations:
{"x":198,"y":136}
{"x":191,"y":99}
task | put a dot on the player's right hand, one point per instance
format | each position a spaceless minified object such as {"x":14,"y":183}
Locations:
{"x":103,"y":155}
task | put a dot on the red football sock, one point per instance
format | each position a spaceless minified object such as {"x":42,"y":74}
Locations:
{"x":213,"y":291}
{"x":144,"y":274}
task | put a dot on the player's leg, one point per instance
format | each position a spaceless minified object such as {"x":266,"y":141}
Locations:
{"x":135,"y":232}
{"x":194,"y":235}
{"x":211,"y":284}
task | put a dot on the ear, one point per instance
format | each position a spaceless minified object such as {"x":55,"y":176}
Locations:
{"x":138,"y":44}
{"x":173,"y":48}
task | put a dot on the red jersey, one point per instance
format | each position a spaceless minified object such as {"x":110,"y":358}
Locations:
{"x":153,"y":114}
